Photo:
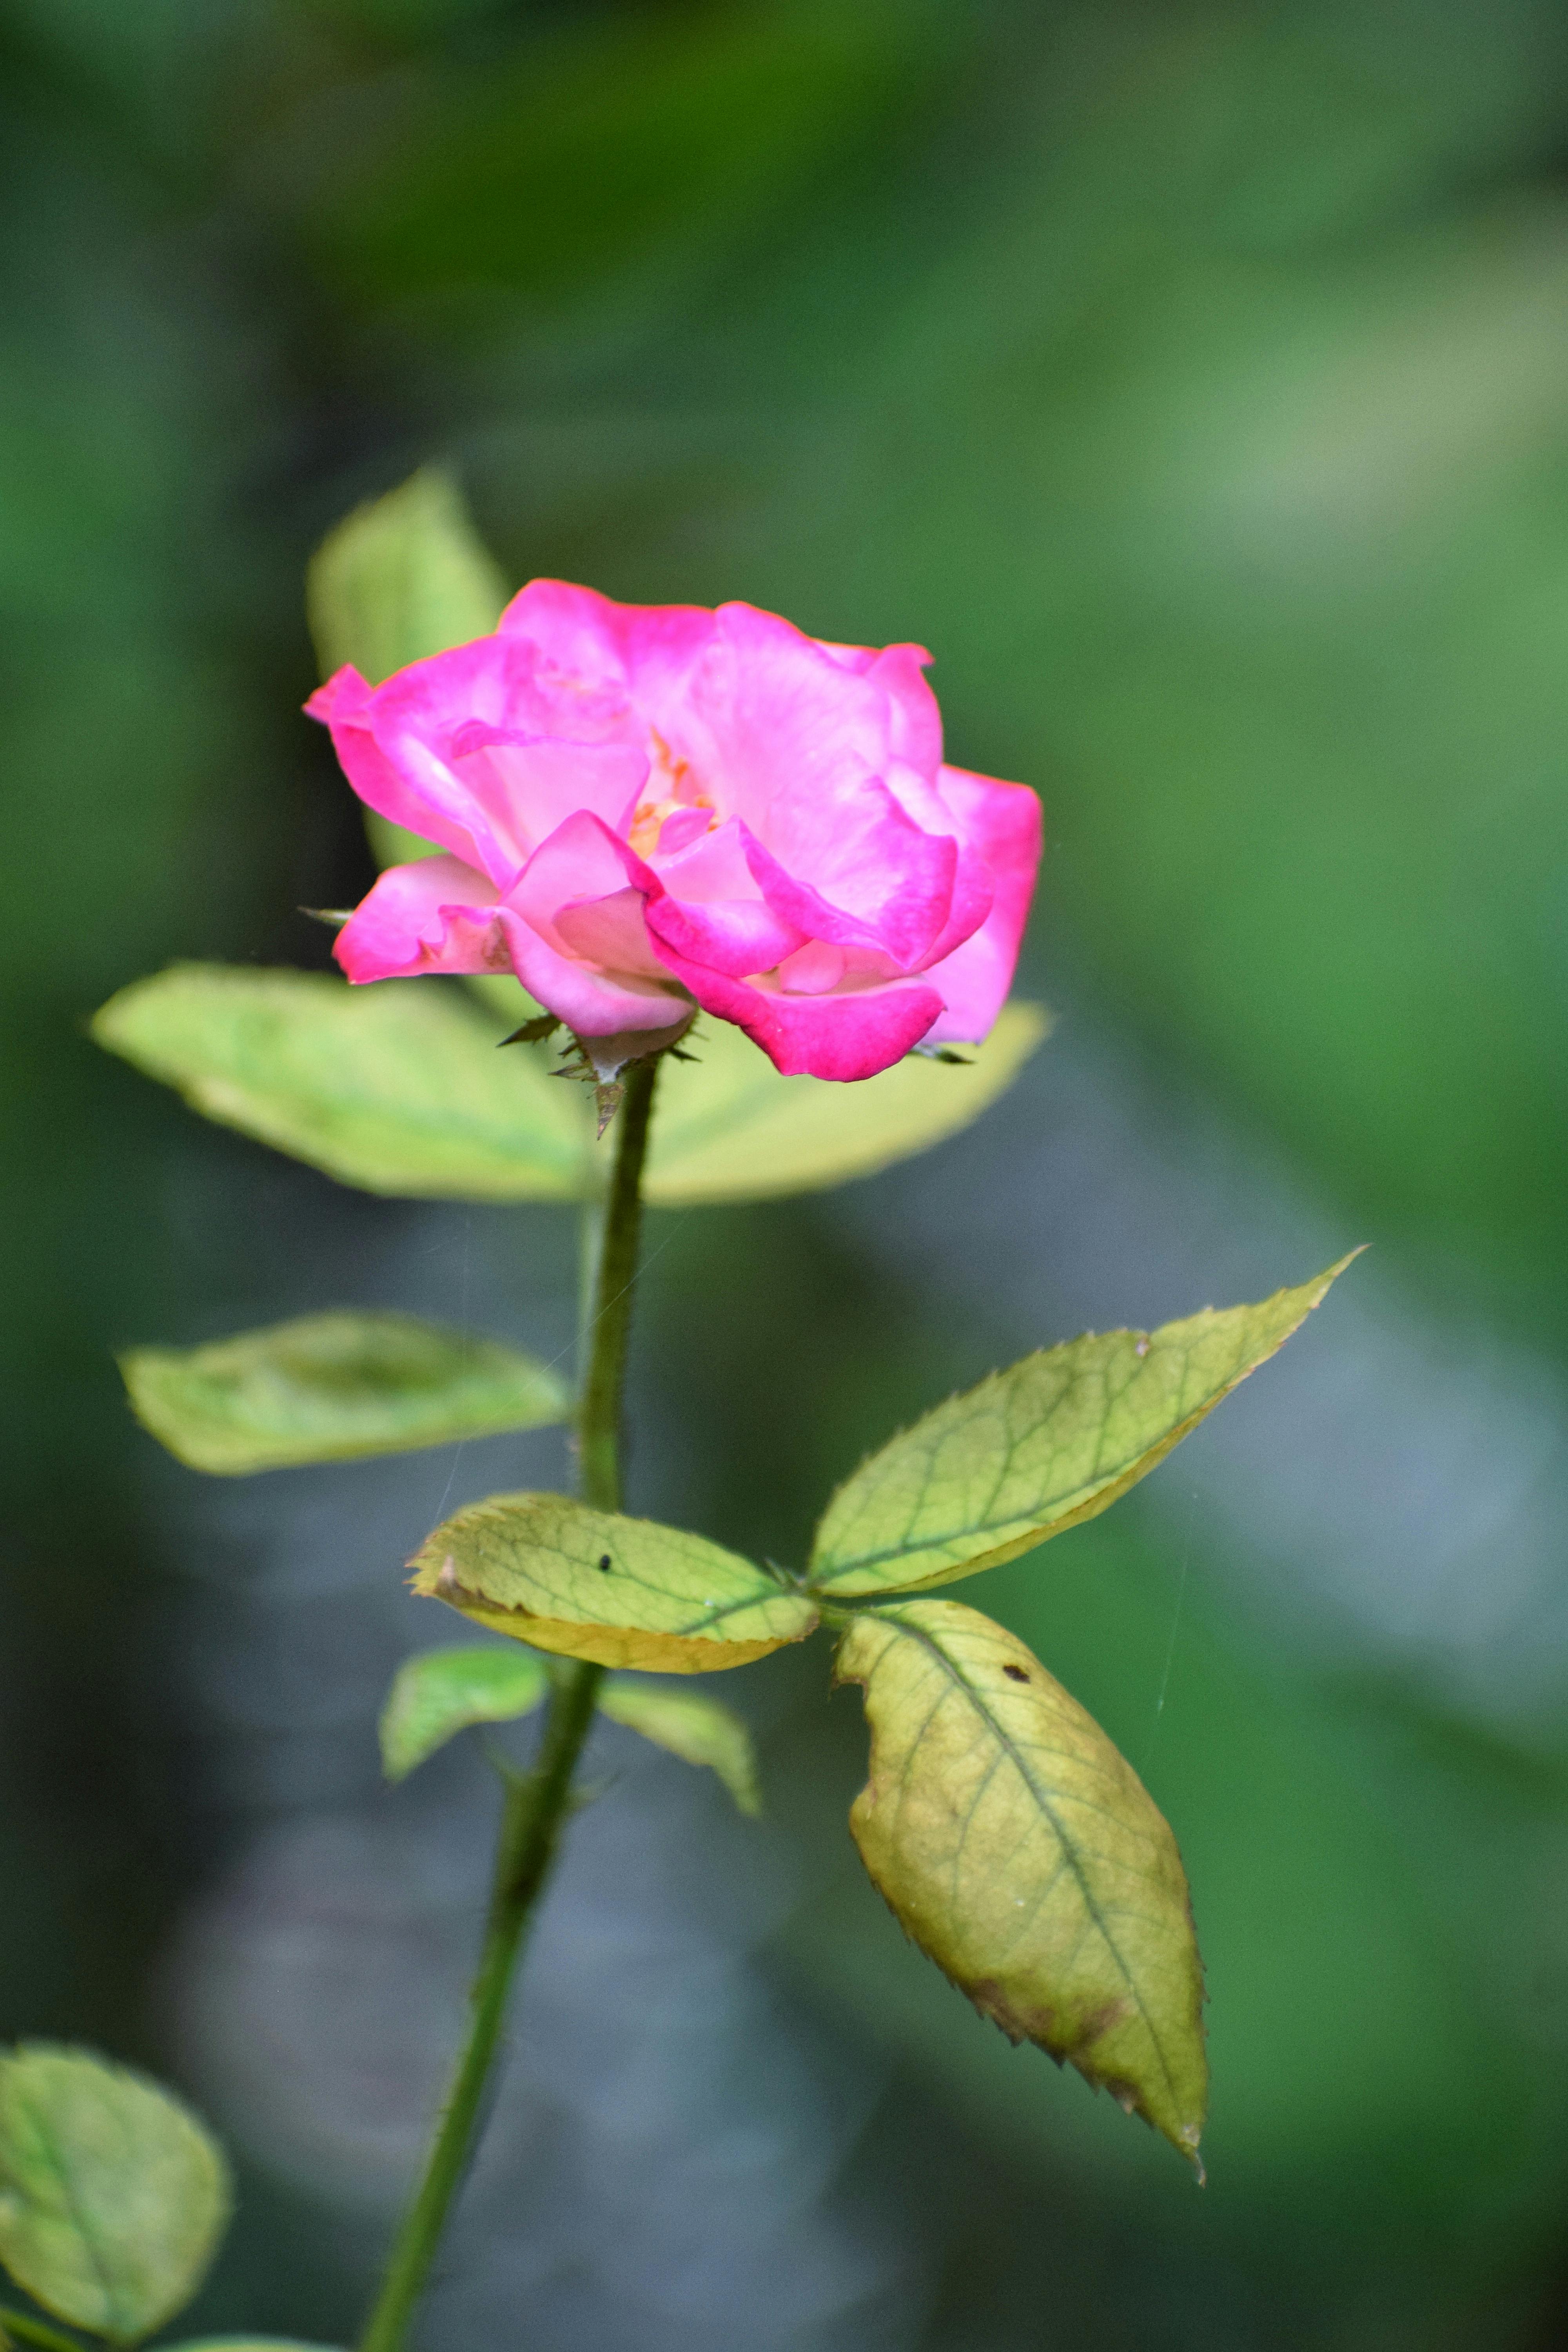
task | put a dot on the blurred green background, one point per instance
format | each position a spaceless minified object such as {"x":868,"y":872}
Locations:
{"x":1193,"y":381}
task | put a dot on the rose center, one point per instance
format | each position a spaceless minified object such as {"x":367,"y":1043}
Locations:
{"x":672,"y":790}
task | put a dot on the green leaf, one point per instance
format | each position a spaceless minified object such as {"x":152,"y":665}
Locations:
{"x":1022,"y":1853}
{"x":333,"y":1387}
{"x":113,"y":2196}
{"x":443,"y":1692}
{"x":693,"y":1727}
{"x":397,"y":1089}
{"x":590,"y":1584}
{"x":1036,"y":1449}
{"x":405,"y":576}
{"x":726,"y":1127}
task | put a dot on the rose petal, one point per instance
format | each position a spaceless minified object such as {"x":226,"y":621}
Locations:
{"x":580,"y":639}
{"x":884,"y":883}
{"x":503,"y":682}
{"x":610,"y":931}
{"x":914,"y":731}
{"x":788,"y":737}
{"x":436,"y":915}
{"x":681,"y":830}
{"x":594,"y":1004}
{"x":528,"y":786}
{"x":342,"y":705}
{"x":852,"y":1035}
{"x":1002,"y":823}
{"x":471,"y":749}
{"x":815,"y":970}
{"x":973,"y":896}
{"x":584,"y":883}
{"x":582,"y":859}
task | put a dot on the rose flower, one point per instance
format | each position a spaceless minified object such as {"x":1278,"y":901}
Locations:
{"x":647,"y":809}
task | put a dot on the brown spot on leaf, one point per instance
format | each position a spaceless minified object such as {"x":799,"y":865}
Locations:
{"x":1015,"y":1673}
{"x":1064,"y":2036}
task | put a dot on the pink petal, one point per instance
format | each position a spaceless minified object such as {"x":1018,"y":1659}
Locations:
{"x":594,"y":1004}
{"x":581,"y":860}
{"x":609,"y":931}
{"x":914,"y":732}
{"x":577,"y":638}
{"x":850,"y":1035}
{"x":500,"y":681}
{"x":528,"y":786}
{"x":580,"y":899}
{"x":342,"y":705}
{"x":815,"y":970}
{"x":470,"y":749}
{"x":436,"y":915}
{"x":1002,"y":822}
{"x":681,"y":830}
{"x":973,"y":896}
{"x":786,"y":734}
{"x":711,"y":909}
{"x":735,"y":936}
{"x":882,"y":882}
{"x":713,"y":866}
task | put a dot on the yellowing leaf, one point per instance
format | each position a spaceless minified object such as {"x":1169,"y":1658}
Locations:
{"x":1050,"y":1441}
{"x":619,"y":1592}
{"x":435,"y":1696}
{"x":693,"y":1727}
{"x":397,"y":1088}
{"x":405,"y":576}
{"x":1021,"y":1852}
{"x":113,"y":2196}
{"x":726,"y":1127}
{"x":333,"y":1387}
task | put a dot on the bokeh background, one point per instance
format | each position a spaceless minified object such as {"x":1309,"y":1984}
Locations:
{"x":1194,"y":380}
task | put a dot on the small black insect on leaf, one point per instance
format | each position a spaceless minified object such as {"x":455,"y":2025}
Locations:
{"x":1015,"y":1673}
{"x":605,"y":1562}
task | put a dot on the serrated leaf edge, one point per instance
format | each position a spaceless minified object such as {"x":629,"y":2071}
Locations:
{"x":1127,"y":1475}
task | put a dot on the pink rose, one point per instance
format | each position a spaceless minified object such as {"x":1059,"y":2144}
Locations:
{"x":645,"y":809}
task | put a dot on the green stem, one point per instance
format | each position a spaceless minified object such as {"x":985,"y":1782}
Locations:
{"x":536,"y":1803}
{"x":36,"y":2331}
{"x":599,"y":1414}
